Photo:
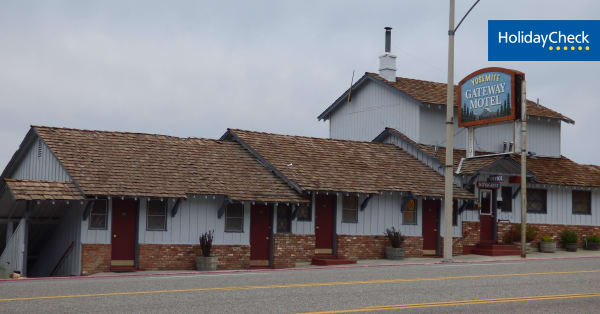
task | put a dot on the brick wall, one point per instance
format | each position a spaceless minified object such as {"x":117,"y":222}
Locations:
{"x":554,"y":231}
{"x":291,"y":248}
{"x":357,"y":247}
{"x":95,"y":258}
{"x":183,"y":256}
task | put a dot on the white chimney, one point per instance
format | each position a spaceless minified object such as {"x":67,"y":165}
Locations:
{"x":387,"y":62}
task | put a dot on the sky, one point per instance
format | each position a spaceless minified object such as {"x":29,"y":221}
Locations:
{"x":196,"y":68}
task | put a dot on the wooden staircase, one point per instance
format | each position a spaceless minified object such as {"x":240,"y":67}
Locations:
{"x":327,"y":260}
{"x":492,"y":249}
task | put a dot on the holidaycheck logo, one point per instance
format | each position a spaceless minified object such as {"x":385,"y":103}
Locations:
{"x":543,"y":40}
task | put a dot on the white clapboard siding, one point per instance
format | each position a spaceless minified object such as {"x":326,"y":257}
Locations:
{"x":194,"y":217}
{"x":67,"y":232}
{"x":432,"y":127}
{"x":373,"y":108}
{"x":39,"y":163}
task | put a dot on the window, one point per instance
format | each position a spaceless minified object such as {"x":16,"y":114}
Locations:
{"x":284,"y":213}
{"x":350,"y":209}
{"x":485,"y":197}
{"x":156,"y":215}
{"x":304,"y":212}
{"x":455,"y":212}
{"x":536,"y":201}
{"x":234,"y":217}
{"x":582,"y":202}
{"x":506,"y":205}
{"x":409,"y":211}
{"x":99,"y":215}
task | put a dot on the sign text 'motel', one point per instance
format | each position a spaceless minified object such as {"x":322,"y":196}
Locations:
{"x":487,"y":96}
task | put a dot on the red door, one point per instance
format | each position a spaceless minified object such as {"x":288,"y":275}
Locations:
{"x":486,"y":219}
{"x":124,"y":218}
{"x":261,"y":218}
{"x":431,"y":222}
{"x":324,"y":220}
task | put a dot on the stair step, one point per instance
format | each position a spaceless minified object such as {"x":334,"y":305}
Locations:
{"x":326,"y":260}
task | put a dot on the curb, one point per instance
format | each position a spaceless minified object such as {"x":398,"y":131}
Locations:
{"x":294,"y":269}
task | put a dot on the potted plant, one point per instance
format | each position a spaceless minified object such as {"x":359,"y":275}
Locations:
{"x":396,"y":251}
{"x":594,"y":242}
{"x":206,"y":262}
{"x":568,"y":239}
{"x":547,"y":245}
{"x":530,"y":235}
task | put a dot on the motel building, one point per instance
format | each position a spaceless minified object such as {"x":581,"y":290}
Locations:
{"x":79,"y":202}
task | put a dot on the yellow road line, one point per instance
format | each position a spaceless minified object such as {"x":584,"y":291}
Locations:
{"x":295,"y":285}
{"x":460,"y":303}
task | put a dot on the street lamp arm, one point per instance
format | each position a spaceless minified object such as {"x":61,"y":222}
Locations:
{"x":452,"y":32}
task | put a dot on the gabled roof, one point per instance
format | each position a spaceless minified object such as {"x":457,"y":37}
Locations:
{"x":137,"y":164}
{"x":428,"y":92}
{"x":546,"y":170}
{"x":42,"y":190}
{"x":318,"y":164}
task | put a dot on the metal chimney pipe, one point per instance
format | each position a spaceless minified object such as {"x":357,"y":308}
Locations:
{"x":388,"y":39}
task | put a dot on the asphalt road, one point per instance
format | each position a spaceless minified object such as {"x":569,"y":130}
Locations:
{"x":553,"y":286}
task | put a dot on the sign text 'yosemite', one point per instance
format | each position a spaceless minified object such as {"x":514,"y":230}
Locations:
{"x":487,"y":96}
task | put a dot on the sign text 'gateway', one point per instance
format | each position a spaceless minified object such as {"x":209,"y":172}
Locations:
{"x":487,"y":96}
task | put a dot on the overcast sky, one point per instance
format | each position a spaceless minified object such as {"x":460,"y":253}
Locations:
{"x":195,"y":68}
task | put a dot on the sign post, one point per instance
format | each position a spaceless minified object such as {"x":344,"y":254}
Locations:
{"x":523,"y":169}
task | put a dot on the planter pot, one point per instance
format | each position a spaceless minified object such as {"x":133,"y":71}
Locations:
{"x":394,"y":253}
{"x":528,"y":246}
{"x":206,"y":263}
{"x":571,"y":247}
{"x":548,"y":247}
{"x":594,"y":246}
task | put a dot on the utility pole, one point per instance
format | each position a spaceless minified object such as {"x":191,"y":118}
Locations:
{"x":523,"y":169}
{"x":449,"y":171}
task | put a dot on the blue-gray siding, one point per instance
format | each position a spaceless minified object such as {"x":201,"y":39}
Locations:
{"x":373,"y":108}
{"x":39,"y":163}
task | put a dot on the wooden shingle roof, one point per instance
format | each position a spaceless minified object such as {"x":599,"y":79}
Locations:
{"x":28,"y":190}
{"x":318,"y":164}
{"x":435,"y":93}
{"x":137,"y":164}
{"x":547,"y":170}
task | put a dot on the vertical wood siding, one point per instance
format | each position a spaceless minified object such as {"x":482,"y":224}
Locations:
{"x":543,"y":134}
{"x":39,"y":163}
{"x":559,"y":209}
{"x":94,"y":236}
{"x":382,"y":212}
{"x":373,"y":108}
{"x":303,"y":227}
{"x":66,"y":232}
{"x":194,"y":217}
{"x":11,"y":258}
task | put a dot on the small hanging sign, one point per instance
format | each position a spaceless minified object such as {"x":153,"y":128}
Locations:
{"x":488,"y":185}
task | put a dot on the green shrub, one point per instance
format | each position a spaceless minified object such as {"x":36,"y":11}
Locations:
{"x":508,"y":237}
{"x":594,"y":239}
{"x":396,"y":238}
{"x":532,"y":233}
{"x":547,"y":238}
{"x":568,"y":236}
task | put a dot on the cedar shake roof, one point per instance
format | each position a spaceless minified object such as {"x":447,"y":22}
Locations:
{"x":547,"y":170}
{"x":136,"y":164}
{"x":318,"y":164}
{"x":435,"y":93}
{"x":28,"y":190}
